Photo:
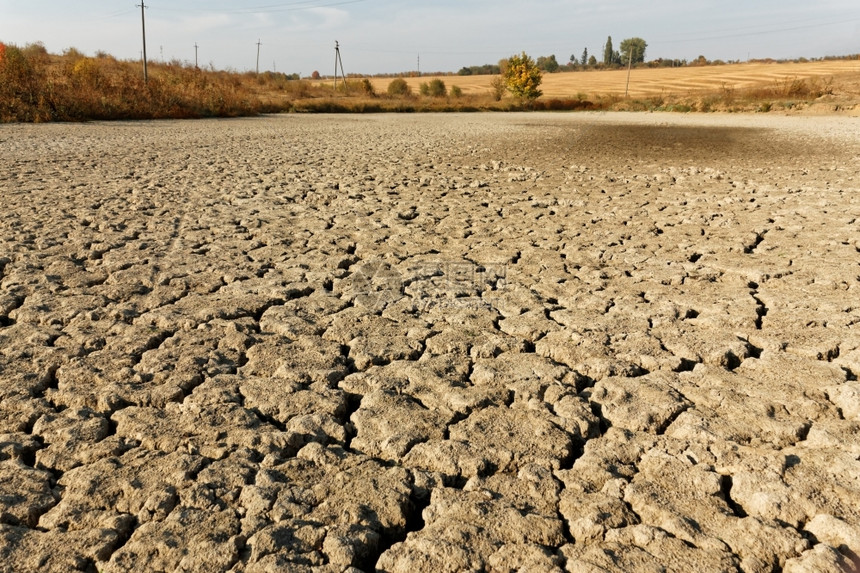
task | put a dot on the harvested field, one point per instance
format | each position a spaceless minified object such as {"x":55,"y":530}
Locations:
{"x":543,"y":342}
{"x":840,"y":76}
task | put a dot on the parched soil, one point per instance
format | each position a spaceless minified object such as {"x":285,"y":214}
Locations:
{"x":590,"y":342}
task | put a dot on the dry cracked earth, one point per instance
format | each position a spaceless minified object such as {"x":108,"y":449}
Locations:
{"x":580,"y":343}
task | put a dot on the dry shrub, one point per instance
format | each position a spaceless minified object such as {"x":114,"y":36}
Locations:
{"x":498,"y":87}
{"x":37,"y":87}
{"x":798,"y":88}
{"x":367,"y":87}
{"x":20,"y":87}
{"x":399,"y":87}
{"x":436,"y":88}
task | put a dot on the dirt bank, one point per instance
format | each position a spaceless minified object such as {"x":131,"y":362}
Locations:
{"x":431,"y":343}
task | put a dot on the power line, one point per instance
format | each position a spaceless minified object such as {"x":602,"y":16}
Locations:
{"x":283,"y":7}
{"x":116,"y":14}
{"x":760,"y":32}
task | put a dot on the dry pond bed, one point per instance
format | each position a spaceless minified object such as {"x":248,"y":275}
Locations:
{"x":586,"y":342}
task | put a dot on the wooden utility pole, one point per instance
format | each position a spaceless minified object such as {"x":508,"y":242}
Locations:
{"x":259,"y":43}
{"x":143,"y":26}
{"x":338,"y":62}
{"x":195,"y":55}
{"x":629,"y":65}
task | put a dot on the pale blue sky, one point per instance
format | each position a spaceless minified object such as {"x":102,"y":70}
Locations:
{"x":389,"y":35}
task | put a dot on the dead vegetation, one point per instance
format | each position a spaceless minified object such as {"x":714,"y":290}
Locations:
{"x":36,"y":86}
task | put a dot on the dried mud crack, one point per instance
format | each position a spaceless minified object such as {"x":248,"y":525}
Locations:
{"x":439,"y":343}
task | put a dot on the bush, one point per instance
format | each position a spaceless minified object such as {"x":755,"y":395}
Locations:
{"x":399,"y":87}
{"x":456,"y":92}
{"x":498,"y":87}
{"x":437,"y":88}
{"x":21,"y":86}
{"x":367,"y":87}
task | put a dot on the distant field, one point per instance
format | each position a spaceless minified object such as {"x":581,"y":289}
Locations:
{"x":651,"y":81}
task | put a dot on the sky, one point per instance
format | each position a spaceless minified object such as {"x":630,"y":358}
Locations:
{"x":393,"y":36}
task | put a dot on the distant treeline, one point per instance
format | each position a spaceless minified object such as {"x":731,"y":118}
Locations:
{"x":485,"y":70}
{"x":550,"y":64}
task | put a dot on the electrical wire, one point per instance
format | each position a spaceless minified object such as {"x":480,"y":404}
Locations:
{"x":270,"y":8}
{"x":758,"y":32}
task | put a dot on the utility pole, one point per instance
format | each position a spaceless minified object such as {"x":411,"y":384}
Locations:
{"x":629,"y":65}
{"x":143,"y":26}
{"x":419,"y":65}
{"x":195,"y":55}
{"x":259,"y":43}
{"x":338,"y":61}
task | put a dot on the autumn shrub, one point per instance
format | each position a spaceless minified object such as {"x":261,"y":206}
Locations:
{"x":498,"y":87}
{"x":299,"y":88}
{"x":436,"y":88}
{"x":798,"y":88}
{"x":21,"y":87}
{"x":399,"y":87}
{"x":367,"y":87}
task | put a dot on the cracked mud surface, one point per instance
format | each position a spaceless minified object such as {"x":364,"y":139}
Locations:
{"x":438,"y":343}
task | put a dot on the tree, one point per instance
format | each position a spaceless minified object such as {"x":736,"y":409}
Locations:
{"x":592,"y":61}
{"x":584,"y":59}
{"x":523,"y":77}
{"x":548,"y":63}
{"x":607,"y":52}
{"x":635,"y":47}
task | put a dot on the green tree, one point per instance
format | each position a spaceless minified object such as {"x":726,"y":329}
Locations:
{"x":584,"y":59}
{"x":607,"y":52}
{"x":635,"y":47}
{"x":548,"y":63}
{"x":523,"y":77}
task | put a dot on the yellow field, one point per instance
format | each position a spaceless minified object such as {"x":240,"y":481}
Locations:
{"x":676,"y":81}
